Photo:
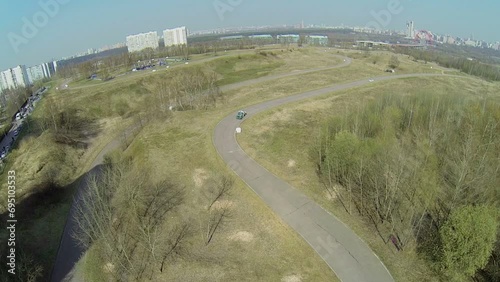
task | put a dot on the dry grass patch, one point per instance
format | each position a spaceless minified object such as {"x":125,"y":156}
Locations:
{"x":242,"y":236}
{"x":306,"y":58}
{"x":222,"y":204}
{"x":292,"y":278}
{"x":109,"y":268}
{"x":330,"y":195}
{"x":200,"y":175}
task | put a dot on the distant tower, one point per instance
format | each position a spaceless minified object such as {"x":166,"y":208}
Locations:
{"x":410,"y":30}
{"x":302,"y":24}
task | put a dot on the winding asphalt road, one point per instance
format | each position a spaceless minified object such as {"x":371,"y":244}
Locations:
{"x":69,"y":251}
{"x":344,"y":252}
{"x":347,"y":255}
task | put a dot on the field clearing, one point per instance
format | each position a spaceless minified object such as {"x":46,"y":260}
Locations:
{"x":297,"y":84}
{"x":281,"y":140}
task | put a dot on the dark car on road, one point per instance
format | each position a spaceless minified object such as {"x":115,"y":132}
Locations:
{"x":241,"y":114}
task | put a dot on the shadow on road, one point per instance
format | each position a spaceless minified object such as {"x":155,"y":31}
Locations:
{"x":70,"y":251}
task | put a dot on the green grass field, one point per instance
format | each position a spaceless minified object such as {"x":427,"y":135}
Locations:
{"x":245,"y":67}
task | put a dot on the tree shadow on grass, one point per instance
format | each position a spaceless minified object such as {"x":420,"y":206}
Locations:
{"x":429,"y":244}
{"x":43,"y":233}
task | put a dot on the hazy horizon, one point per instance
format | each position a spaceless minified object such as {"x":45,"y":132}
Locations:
{"x":61,"y":28}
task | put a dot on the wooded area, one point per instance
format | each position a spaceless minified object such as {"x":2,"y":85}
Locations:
{"x":137,"y":227}
{"x":411,"y":164}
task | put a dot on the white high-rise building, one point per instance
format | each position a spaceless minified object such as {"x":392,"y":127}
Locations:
{"x":175,"y":36}
{"x":38,"y":72}
{"x":20,"y":76}
{"x":142,"y":41}
{"x":14,"y":77}
{"x":3,"y":83}
{"x":470,"y":42}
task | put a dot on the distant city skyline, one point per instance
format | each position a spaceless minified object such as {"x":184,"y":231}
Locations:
{"x":35,"y":32}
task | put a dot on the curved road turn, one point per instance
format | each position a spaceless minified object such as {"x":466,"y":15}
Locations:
{"x":347,"y":255}
{"x":69,"y":251}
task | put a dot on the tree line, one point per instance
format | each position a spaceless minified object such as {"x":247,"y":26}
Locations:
{"x":424,"y":170}
{"x":186,"y":89}
{"x":466,"y":65}
{"x":105,"y":67}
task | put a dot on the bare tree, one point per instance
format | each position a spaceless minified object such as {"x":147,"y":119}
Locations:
{"x":174,"y":243}
{"x":220,"y":188}
{"x":216,"y":220}
{"x":94,"y":209}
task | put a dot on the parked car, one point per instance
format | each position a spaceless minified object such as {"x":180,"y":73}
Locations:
{"x":241,"y":114}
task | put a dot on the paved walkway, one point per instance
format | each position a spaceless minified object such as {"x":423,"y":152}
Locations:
{"x":346,"y":254}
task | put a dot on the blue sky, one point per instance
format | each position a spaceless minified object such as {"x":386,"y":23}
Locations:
{"x":77,"y":25}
